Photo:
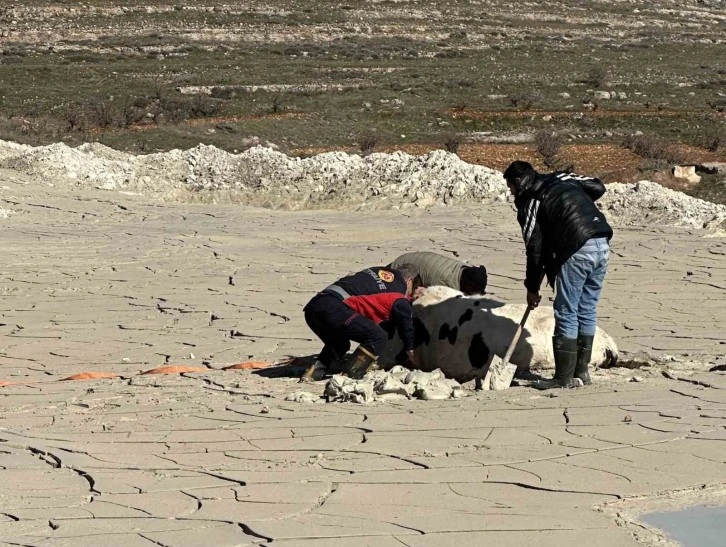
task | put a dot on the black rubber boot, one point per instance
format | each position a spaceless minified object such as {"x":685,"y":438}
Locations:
{"x":584,"y":354}
{"x":339,"y":366}
{"x":315,"y":372}
{"x":361,"y":362}
{"x":565,"y":350}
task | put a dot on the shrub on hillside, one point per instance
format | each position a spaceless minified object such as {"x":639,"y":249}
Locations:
{"x":597,"y":76}
{"x":548,"y":144}
{"x":452,"y":142}
{"x":524,"y":99}
{"x":657,"y":154}
{"x":366,"y":144}
{"x":102,"y":113}
{"x":714,"y":139}
{"x":203,"y":106}
{"x":74,"y":117}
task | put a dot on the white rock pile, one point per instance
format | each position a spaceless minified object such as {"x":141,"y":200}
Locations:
{"x":650,"y":203}
{"x":397,"y":384}
{"x":264,"y":177}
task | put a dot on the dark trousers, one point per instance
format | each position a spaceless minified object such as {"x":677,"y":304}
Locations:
{"x":336,"y":325}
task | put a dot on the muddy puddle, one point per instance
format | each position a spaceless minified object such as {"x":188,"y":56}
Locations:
{"x":698,"y":526}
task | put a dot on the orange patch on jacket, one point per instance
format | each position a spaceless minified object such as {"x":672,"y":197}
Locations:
{"x":175,"y":369}
{"x":90,"y":376}
{"x":248,"y":365}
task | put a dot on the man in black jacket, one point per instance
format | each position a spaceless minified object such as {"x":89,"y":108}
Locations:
{"x":567,"y":238}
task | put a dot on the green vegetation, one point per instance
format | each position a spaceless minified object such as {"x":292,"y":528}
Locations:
{"x":331,"y":74}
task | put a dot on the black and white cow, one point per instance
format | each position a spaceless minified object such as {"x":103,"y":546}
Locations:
{"x":461,"y":334}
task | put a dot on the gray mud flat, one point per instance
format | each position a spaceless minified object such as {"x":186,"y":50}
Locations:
{"x":102,"y":281}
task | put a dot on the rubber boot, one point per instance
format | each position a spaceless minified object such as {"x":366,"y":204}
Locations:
{"x":339,"y":365}
{"x":584,"y":354}
{"x":565,"y":350}
{"x":361,"y":362}
{"x":526,"y":375}
{"x":315,"y":372}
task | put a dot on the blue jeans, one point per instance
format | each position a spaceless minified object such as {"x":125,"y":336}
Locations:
{"x":578,"y":287}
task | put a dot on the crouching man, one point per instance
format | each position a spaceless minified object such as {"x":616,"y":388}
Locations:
{"x":358,"y":307}
{"x":567,"y":237}
{"x":436,"y":269}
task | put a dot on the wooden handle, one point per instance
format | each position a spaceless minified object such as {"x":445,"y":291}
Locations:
{"x":520,"y":327}
{"x":517,"y":334}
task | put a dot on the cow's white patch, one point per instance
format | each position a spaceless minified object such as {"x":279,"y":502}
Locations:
{"x":461,"y":334}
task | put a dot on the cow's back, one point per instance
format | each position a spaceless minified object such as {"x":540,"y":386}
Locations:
{"x":461,"y":334}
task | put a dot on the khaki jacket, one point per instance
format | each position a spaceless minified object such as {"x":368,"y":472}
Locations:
{"x":435,"y":269}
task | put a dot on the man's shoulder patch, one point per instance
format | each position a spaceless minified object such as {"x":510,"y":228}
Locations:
{"x":386,"y":276}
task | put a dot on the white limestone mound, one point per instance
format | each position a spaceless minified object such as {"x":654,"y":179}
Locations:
{"x":9,"y":149}
{"x":264,"y":177}
{"x":650,"y":203}
{"x":59,"y":163}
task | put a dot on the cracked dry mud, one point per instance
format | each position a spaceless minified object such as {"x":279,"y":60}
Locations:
{"x":95,"y":281}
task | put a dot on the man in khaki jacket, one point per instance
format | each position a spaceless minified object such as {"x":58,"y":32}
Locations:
{"x":436,"y":269}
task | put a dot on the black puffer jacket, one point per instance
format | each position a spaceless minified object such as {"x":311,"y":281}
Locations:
{"x":558,"y":215}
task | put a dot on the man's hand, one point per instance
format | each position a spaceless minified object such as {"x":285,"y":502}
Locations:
{"x":533,"y":299}
{"x":410,"y":360}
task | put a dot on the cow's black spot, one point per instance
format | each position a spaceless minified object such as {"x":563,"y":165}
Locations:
{"x":478,"y":351}
{"x":420,"y":334}
{"x":466,"y":316}
{"x":449,"y":333}
{"x":477,"y":302}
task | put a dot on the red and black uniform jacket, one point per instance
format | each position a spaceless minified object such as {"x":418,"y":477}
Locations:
{"x":384,"y":308}
{"x":378,"y":293}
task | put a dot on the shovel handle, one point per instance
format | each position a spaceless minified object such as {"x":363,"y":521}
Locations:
{"x":517,"y":334}
{"x":520,"y":327}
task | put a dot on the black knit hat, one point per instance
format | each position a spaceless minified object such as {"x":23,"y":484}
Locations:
{"x":473,"y":280}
